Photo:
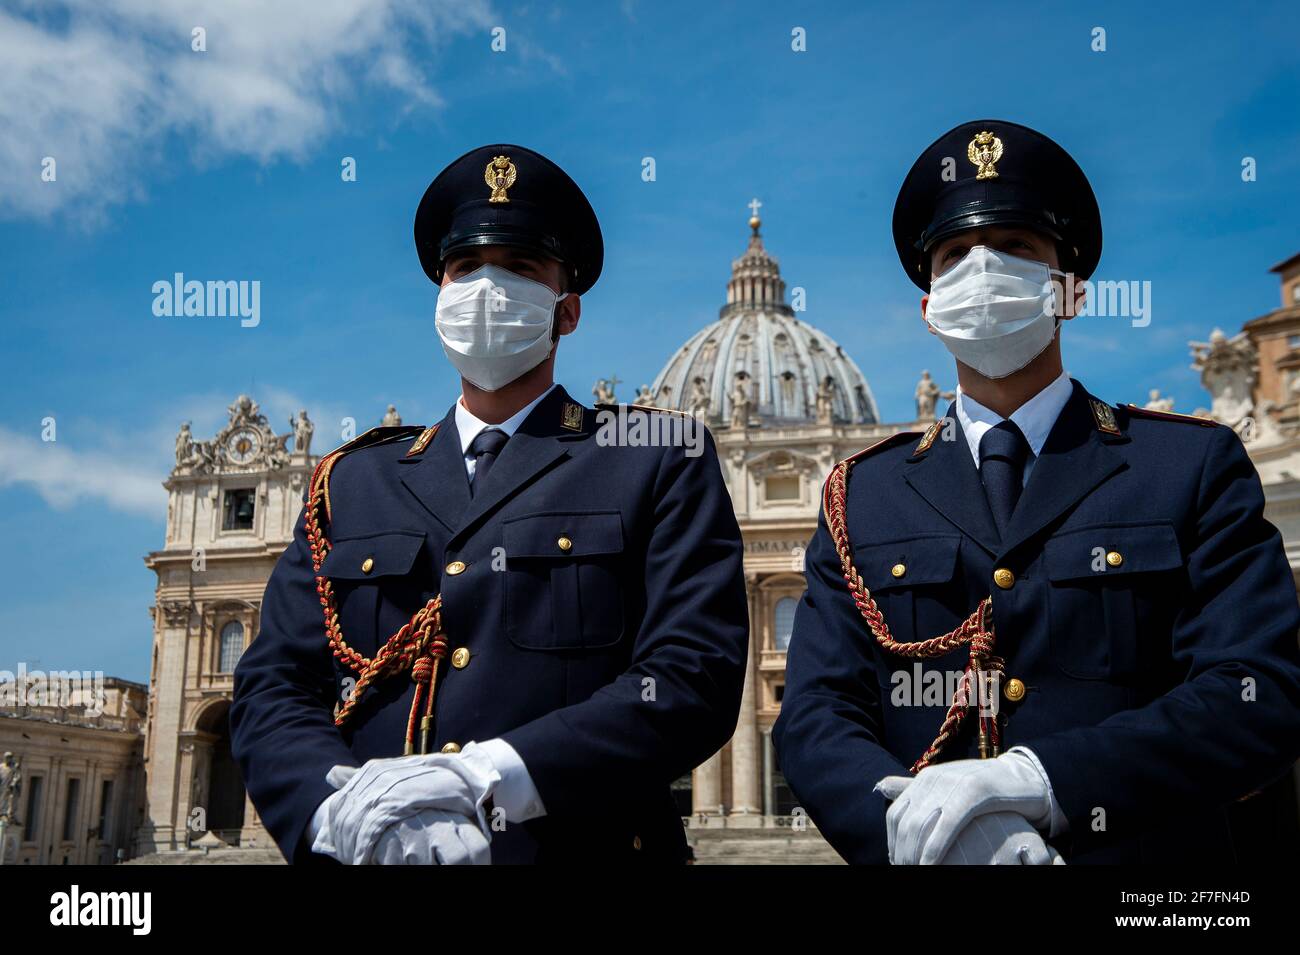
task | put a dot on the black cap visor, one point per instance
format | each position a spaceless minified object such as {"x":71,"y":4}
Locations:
{"x":978,"y":215}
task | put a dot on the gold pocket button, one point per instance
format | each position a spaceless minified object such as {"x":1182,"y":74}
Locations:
{"x":367,"y":565}
{"x":898,"y":570}
{"x":1114,"y":558}
{"x":564,"y":544}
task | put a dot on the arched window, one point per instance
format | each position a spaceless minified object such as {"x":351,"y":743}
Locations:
{"x":232,"y":645}
{"x":784,"y":622}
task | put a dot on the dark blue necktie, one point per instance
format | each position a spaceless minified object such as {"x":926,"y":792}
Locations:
{"x":1003,"y":453}
{"x":485,"y":447}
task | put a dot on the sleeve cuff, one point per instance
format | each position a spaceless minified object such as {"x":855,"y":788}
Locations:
{"x":515,"y":795}
{"x":1057,"y":822}
{"x":316,"y":825}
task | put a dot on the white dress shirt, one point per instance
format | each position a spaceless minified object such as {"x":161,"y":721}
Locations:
{"x":516,"y":795}
{"x":1034,"y":418}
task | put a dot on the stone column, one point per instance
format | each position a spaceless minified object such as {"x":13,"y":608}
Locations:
{"x":746,"y":809}
{"x":185,"y":794}
{"x":769,"y":804}
{"x":253,"y":834}
{"x":706,"y":792}
{"x":164,"y":825}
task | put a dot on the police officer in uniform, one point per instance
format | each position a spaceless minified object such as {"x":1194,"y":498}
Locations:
{"x":1049,"y":629}
{"x":500,"y":638}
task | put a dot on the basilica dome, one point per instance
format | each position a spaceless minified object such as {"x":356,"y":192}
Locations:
{"x":761,"y":363}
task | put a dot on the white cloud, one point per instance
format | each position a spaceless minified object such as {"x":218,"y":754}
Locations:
{"x":65,"y":476}
{"x":103,"y":85}
{"x":125,"y":468}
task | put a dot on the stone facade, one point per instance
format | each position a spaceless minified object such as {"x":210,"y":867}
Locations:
{"x":79,"y":748}
{"x":232,"y":504}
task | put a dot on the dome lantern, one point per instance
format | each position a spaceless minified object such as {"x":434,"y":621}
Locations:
{"x":755,"y":276}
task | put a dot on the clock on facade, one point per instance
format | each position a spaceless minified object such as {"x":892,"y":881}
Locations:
{"x":243,"y":445}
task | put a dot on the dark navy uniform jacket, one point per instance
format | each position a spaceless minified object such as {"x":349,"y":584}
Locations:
{"x":613,"y":668}
{"x":1160,"y":690}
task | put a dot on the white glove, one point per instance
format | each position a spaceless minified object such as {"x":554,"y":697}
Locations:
{"x":1000,"y":838}
{"x":384,"y":791}
{"x":931,"y":809}
{"x":433,"y":837}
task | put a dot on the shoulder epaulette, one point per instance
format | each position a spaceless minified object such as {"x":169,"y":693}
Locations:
{"x":900,"y":437}
{"x":320,"y":478}
{"x":615,"y":405}
{"x":379,"y":435}
{"x":839,"y":474}
{"x":1169,"y":416}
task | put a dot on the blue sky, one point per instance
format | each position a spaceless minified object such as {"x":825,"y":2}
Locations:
{"x":225,"y":165}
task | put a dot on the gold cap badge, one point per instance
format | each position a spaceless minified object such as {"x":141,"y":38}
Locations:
{"x":985,"y":150}
{"x":500,"y":174}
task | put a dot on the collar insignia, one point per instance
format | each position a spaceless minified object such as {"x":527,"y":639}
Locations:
{"x":422,"y":441}
{"x":1105,"y":416}
{"x":571,"y":417}
{"x":927,"y":439}
{"x":500,"y":175}
{"x":983,"y":151}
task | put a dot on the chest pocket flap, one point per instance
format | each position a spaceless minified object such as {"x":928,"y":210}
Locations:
{"x":563,"y":580}
{"x":1105,"y":616}
{"x":544,"y":535}
{"x":1112,"y":550}
{"x":389,"y":554}
{"x":908,"y":563}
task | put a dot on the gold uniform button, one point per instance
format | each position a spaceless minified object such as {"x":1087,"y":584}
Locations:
{"x":1114,"y":558}
{"x":460,"y":658}
{"x":565,"y":544}
{"x":1014,"y":690}
{"x":898,"y":570}
{"x":636,"y":843}
{"x":1004,"y":578}
{"x":451,"y":748}
{"x":367,"y":565}
{"x":456,"y":567}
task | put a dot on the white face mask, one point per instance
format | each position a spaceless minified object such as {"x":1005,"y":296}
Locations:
{"x":994,"y":312}
{"x":495,"y":325}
